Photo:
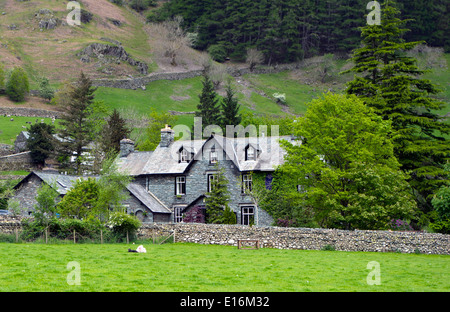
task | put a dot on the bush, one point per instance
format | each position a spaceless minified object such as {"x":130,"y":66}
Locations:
{"x":17,"y":85}
{"x":217,"y":52}
{"x":121,"y":223}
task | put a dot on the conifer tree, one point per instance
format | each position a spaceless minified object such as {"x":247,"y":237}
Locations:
{"x":40,"y":142}
{"x":208,"y":109}
{"x":75,"y":130}
{"x":230,"y":109}
{"x":217,"y":198}
{"x":388,"y":80}
{"x":114,"y":130}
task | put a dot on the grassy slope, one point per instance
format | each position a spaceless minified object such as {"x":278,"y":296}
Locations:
{"x":200,"y":268}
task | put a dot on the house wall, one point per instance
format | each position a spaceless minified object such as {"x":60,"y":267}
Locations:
{"x":163,"y":186}
{"x":27,"y":193}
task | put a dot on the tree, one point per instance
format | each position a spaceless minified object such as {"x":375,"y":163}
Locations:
{"x":345,"y":169}
{"x":218,"y":197}
{"x":112,"y":189}
{"x":81,"y":200}
{"x":254,"y":57}
{"x":75,"y":130}
{"x":17,"y":85}
{"x":40,"y":142}
{"x":208,"y":108}
{"x":388,"y":80}
{"x":45,"y":90}
{"x":441,"y":204}
{"x":113,"y":131}
{"x":2,"y":79}
{"x":46,"y":199}
{"x":157,"y":121}
{"x":230,"y":109}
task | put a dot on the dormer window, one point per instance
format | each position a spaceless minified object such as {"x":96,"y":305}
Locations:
{"x":213,"y":156}
{"x":184,"y":156}
{"x":251,"y":152}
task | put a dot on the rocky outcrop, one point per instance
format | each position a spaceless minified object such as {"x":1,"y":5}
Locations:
{"x":47,"y":19}
{"x":111,"y":53}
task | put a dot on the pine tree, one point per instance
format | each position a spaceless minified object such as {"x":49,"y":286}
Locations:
{"x":40,"y":142}
{"x":208,"y":109}
{"x":230,"y":109}
{"x":389,"y":81}
{"x":113,"y":131}
{"x":75,"y":128}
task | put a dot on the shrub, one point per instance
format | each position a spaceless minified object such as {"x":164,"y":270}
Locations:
{"x":217,"y":52}
{"x":121,"y":223}
{"x":17,"y":85}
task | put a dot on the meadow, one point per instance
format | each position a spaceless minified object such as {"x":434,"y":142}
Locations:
{"x":185,"y":267}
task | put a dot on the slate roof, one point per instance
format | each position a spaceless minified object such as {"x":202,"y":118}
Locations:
{"x":65,"y":182}
{"x":147,"y":198}
{"x":165,"y":160}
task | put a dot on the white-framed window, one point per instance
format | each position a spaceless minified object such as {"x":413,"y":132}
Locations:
{"x":247,"y":215}
{"x":211,"y":179}
{"x":180,"y":185}
{"x":246,"y":183}
{"x":212,"y":156}
{"x":184,"y":155}
{"x":250,"y":153}
{"x":177,"y":214}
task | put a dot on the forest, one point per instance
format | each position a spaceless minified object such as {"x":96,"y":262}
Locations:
{"x":290,"y":30}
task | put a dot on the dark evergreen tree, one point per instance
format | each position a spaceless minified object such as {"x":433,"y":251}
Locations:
{"x":75,"y":128}
{"x":218,"y":197}
{"x":113,"y":131}
{"x":230,"y":109}
{"x":389,"y":81}
{"x":208,"y":108}
{"x":40,"y":142}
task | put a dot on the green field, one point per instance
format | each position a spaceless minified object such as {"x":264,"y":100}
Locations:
{"x":10,"y":129}
{"x":203,"y":268}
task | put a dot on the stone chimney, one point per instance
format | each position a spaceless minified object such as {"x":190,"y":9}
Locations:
{"x":167,"y":136}
{"x":126,"y":147}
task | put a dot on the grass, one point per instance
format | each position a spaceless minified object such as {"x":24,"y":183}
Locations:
{"x":10,"y":129}
{"x":203,"y":268}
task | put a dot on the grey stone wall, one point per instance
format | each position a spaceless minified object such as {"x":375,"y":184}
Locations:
{"x":303,"y":238}
{"x":21,"y":161}
{"x":28,"y":112}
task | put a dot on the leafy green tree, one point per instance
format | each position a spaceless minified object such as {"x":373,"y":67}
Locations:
{"x":17,"y":85}
{"x":81,"y":200}
{"x":441,"y":204}
{"x":218,"y":197}
{"x":345,"y":169}
{"x":40,"y":142}
{"x":112,"y":189}
{"x":45,"y":90}
{"x":388,"y":80}
{"x":47,"y":198}
{"x":2,"y":79}
{"x":75,"y":129}
{"x":157,"y":121}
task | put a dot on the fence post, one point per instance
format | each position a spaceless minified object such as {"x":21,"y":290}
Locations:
{"x":46,"y":234}
{"x":101,"y":236}
{"x":128,"y":240}
{"x":17,"y":234}
{"x":74,"y":238}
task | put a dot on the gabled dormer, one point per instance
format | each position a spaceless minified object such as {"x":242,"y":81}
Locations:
{"x":185,"y":154}
{"x":252,"y":152}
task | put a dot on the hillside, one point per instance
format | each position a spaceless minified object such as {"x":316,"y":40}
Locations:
{"x":27,"y":41}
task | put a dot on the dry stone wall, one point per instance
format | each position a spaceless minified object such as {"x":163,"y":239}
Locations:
{"x":303,"y":238}
{"x":288,"y":238}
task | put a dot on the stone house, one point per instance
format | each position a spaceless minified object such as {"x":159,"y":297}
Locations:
{"x":179,"y":172}
{"x":139,"y":201}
